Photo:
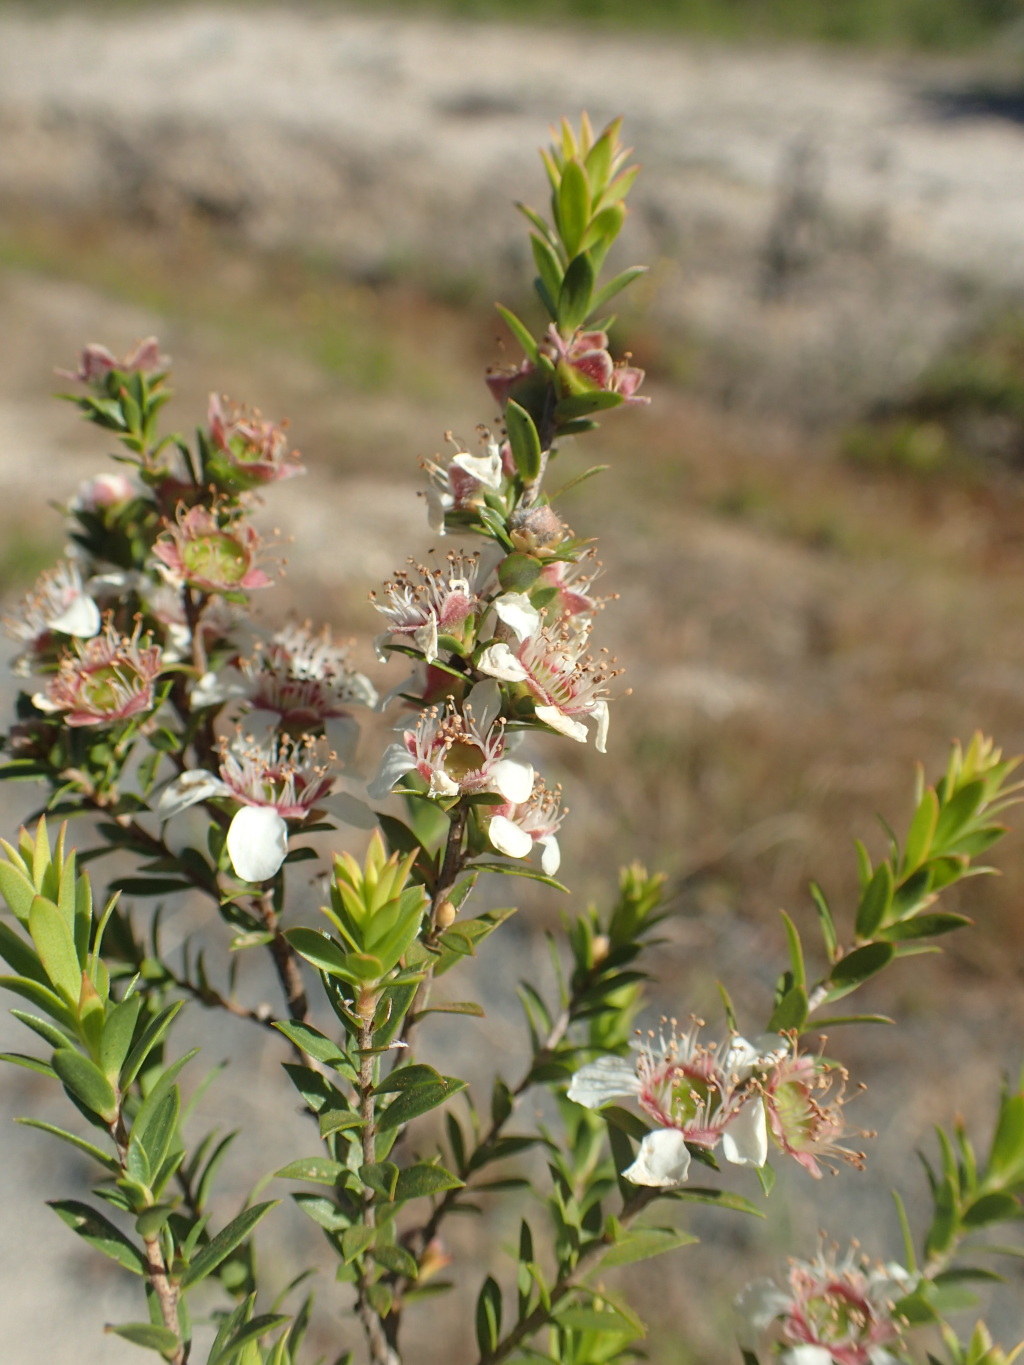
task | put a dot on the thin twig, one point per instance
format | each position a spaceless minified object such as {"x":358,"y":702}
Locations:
{"x":381,"y":1350}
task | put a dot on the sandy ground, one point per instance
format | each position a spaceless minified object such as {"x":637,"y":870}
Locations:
{"x":893,"y":215}
{"x":826,"y":219}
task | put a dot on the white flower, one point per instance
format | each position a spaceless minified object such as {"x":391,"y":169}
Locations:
{"x":702,"y":1094}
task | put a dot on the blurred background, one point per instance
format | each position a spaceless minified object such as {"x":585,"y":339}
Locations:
{"x":815,"y":529}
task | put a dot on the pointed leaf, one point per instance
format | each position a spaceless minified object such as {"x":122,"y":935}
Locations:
{"x":100,"y":1233}
{"x":86,"y":1082}
{"x":225,"y":1242}
{"x":146,"y":1334}
{"x":55,"y":944}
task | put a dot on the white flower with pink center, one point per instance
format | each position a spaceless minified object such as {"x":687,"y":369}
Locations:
{"x":565,"y":682}
{"x":103,"y":491}
{"x":457,"y":753}
{"x":58,"y":604}
{"x":515,"y":829}
{"x":460,"y":485}
{"x":104,"y":680}
{"x":438,"y":604}
{"x":247,"y":449}
{"x":828,"y":1312}
{"x":274,"y":781}
{"x":211,"y":552}
{"x":699,"y":1094}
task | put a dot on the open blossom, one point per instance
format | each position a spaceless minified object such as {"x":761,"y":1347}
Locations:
{"x":95,"y":363}
{"x":247,"y":449}
{"x":828,"y":1310}
{"x":461,"y":484}
{"x":297,"y":682}
{"x":106,"y":679}
{"x":196,"y":549}
{"x":514,"y":829}
{"x":438,"y":605}
{"x":702,"y":1094}
{"x":277,"y":780}
{"x":566,"y":684}
{"x":804,"y":1098}
{"x":58,"y":603}
{"x":457,"y":752}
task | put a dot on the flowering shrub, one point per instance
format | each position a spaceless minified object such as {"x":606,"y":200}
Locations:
{"x":163,"y":725}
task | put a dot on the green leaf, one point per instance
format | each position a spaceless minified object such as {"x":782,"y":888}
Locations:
{"x":118,"y":1031}
{"x":156,"y":1131}
{"x":488,"y":1316}
{"x":29,"y":1063}
{"x":521,"y":333}
{"x":796,"y":954}
{"x":518,"y":572}
{"x":328,"y":957}
{"x":147,"y":1335}
{"x":925,"y":926}
{"x":323,"y":1211}
{"x":575,"y":298}
{"x":107,"y":1162}
{"x":55,"y":944}
{"x":225,"y":1242}
{"x":423,"y":1180}
{"x":990,"y":1208}
{"x":573,"y":205}
{"x":151,"y":1036}
{"x":418,"y":1100}
{"x":617,"y":284}
{"x":549,"y":269}
{"x":876,"y":902}
{"x":921,"y":834}
{"x":1006,"y":1157}
{"x":828,"y":928}
{"x":396,"y":1259}
{"x":249,"y":1332}
{"x":314,"y":1044}
{"x":355,"y":1240}
{"x":54,"y":1036}
{"x":337,"y":1120}
{"x":790,"y":1012}
{"x":316,"y":1169}
{"x":20,"y":956}
{"x":17,"y":890}
{"x":642,"y":1243}
{"x":578,"y":405}
{"x":857,"y":966}
{"x":381,"y":1177}
{"x":524,"y":441}
{"x":86,"y":1082}
{"x":150,"y":886}
{"x":43,"y":998}
{"x":100,"y":1233}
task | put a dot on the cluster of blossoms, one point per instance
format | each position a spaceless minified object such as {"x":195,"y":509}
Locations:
{"x":733,"y":1093}
{"x":828,"y":1312}
{"x":148,"y":615}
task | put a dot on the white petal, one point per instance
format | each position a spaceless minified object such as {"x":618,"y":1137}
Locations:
{"x":43,"y":703}
{"x":757,"y":1306}
{"x":349,"y":809}
{"x":513,"y":780}
{"x":806,"y":1355}
{"x":81,"y":617}
{"x":565,"y":725}
{"x":218,"y":687}
{"x":257,"y":842}
{"x":395,"y":763}
{"x":426,"y":639}
{"x":745,"y":1140}
{"x":261,"y":725}
{"x":484,"y":702}
{"x":500,"y":662}
{"x":508,"y":838}
{"x":600,"y":716}
{"x":486,"y":469}
{"x":441,"y":784}
{"x":343,"y":736}
{"x":662,"y":1161}
{"x":606,"y":1079}
{"x":551,"y":858}
{"x":379,"y":641}
{"x":189,"y":787}
{"x":437,"y":504}
{"x":409,"y":683}
{"x":518,"y":613}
